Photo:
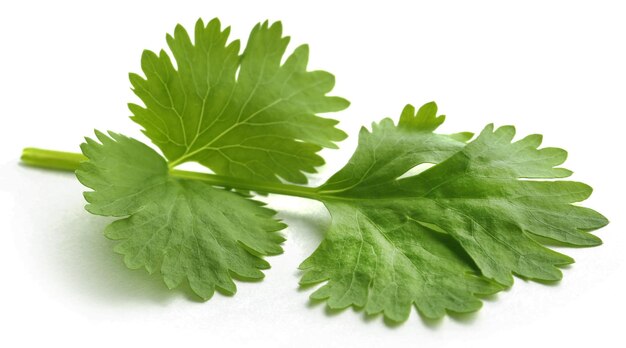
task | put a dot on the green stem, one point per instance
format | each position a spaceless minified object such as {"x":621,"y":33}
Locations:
{"x":49,"y":159}
{"x":69,"y":161}
{"x":265,"y":187}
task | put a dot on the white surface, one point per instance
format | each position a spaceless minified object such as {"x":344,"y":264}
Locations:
{"x":557,"y":68}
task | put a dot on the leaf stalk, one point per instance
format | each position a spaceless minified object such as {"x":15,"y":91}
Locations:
{"x":69,"y":161}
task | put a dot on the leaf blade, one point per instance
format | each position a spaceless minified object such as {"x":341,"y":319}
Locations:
{"x":212,"y":107}
{"x":478,"y":194}
{"x":184,"y":229}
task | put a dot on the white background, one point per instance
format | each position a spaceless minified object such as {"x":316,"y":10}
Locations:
{"x":558,"y":68}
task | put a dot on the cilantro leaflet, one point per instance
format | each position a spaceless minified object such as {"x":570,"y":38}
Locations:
{"x":247,"y":116}
{"x":383,"y":250}
{"x":185,"y":229}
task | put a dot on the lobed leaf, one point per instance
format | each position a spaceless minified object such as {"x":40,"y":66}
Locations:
{"x":383,"y":249}
{"x":184,"y":229}
{"x":247,"y":116}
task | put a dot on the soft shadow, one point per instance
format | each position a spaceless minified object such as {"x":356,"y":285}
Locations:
{"x":78,"y":256}
{"x":463,"y":318}
{"x":67,"y":244}
{"x":431,"y":323}
{"x":93,"y":269}
{"x":311,"y":227}
{"x":391,"y":324}
{"x":87,"y":262}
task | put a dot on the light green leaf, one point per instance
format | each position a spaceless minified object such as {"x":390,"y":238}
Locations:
{"x":390,"y":151}
{"x":184,"y":229}
{"x":389,"y":244}
{"x":384,"y":262}
{"x":246,"y":116}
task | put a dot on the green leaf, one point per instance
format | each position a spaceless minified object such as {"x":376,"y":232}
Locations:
{"x":390,"y":151}
{"x":246,"y":116}
{"x":185,"y":229}
{"x":433,"y":239}
{"x":384,"y":262}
